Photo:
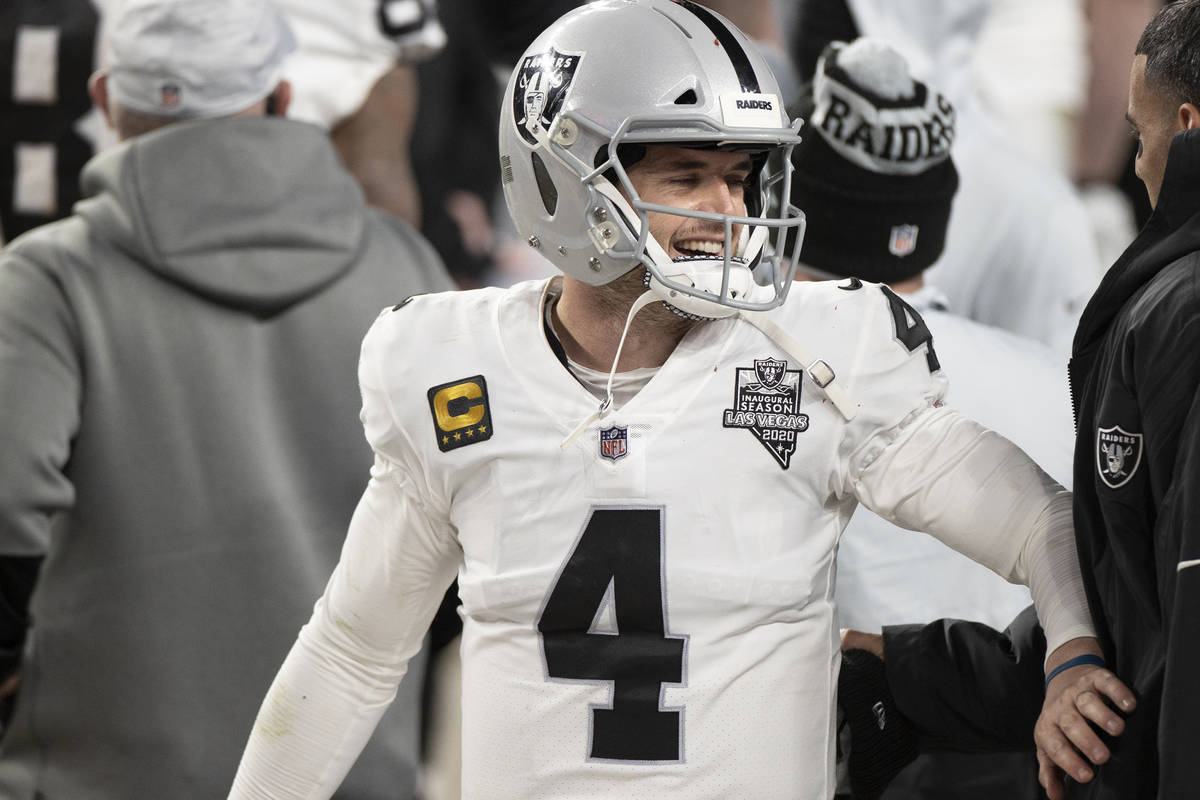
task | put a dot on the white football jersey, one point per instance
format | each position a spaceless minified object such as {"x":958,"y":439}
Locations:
{"x":648,"y":610}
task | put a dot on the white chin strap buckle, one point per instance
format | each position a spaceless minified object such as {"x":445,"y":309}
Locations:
{"x":704,"y":275}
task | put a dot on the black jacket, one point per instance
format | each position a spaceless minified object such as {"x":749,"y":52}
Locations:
{"x":1135,"y":385}
{"x":965,"y":687}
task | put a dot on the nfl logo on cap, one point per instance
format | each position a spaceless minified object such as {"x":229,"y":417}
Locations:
{"x":904,"y":240}
{"x":614,"y":442}
{"x":169,"y":95}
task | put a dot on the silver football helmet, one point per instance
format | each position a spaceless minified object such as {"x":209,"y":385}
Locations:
{"x":614,"y":75}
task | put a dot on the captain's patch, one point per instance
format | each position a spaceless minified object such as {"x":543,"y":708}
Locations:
{"x":1118,"y":455}
{"x":461,"y":415}
{"x":540,"y":90}
{"x":766,"y":401}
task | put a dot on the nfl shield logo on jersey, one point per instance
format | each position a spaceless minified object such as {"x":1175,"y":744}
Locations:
{"x":1118,"y":454}
{"x":614,"y":442}
{"x":904,"y":240}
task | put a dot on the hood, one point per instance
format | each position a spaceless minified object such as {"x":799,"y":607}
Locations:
{"x":249,"y":212}
{"x":936,"y":37}
{"x":1171,"y":233}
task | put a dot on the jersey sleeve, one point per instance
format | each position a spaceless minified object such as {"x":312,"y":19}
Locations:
{"x":887,"y":363}
{"x":926,"y":467}
{"x":399,"y":557}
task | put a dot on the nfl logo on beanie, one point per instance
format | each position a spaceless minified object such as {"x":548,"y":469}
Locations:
{"x":874,"y":174}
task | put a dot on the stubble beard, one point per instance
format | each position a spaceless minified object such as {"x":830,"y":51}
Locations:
{"x":656,"y":319}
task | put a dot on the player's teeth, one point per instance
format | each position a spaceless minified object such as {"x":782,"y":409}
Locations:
{"x":699,"y":246}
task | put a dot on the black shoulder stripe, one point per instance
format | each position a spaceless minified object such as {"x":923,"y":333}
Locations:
{"x":407,"y":300}
{"x":741,"y":62}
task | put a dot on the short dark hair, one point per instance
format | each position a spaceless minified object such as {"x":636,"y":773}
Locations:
{"x":1171,"y":44}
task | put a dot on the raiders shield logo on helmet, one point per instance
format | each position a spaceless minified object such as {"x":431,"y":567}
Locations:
{"x":1118,"y":454}
{"x":540,"y":90}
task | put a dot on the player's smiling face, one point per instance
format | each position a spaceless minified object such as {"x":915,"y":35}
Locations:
{"x":697,"y":180}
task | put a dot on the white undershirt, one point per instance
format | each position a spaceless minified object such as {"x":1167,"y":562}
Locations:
{"x":624,"y":384}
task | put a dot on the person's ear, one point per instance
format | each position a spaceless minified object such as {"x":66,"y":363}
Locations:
{"x":280,"y":99}
{"x":1189,"y":117}
{"x":98,"y":90}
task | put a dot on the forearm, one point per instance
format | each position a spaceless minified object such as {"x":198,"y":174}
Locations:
{"x":316,"y":718}
{"x":1050,"y":564}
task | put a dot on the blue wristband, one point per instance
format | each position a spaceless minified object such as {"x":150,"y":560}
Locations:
{"x":1086,"y":658}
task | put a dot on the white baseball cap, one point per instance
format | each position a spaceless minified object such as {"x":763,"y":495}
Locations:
{"x":195,"y":58}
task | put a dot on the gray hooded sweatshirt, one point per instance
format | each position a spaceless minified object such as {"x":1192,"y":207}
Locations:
{"x":179,"y":439}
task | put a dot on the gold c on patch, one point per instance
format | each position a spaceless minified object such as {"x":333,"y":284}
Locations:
{"x":461,"y":415}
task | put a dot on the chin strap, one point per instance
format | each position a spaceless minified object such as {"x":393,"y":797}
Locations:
{"x":645,"y":299}
{"x":817,"y":370}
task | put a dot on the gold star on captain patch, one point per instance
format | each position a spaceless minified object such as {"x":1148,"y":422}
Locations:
{"x":482,"y":429}
{"x":457,"y":436}
{"x":445,"y":440}
{"x":470,"y":433}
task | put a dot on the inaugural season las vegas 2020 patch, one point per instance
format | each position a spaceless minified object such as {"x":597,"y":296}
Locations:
{"x":461,"y":415}
{"x":766,"y":401}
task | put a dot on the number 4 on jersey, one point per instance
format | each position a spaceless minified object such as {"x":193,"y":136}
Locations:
{"x":910,"y":328}
{"x":618,"y":558}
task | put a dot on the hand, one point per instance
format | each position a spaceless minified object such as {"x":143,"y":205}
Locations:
{"x":1074,"y":700}
{"x":857,"y":640}
{"x":9,"y":686}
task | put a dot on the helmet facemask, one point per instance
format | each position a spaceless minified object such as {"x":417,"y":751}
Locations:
{"x":754,"y":269}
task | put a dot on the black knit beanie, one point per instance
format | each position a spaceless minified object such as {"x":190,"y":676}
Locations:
{"x":874,"y":174}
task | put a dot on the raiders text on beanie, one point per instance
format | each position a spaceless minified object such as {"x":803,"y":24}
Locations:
{"x":873,"y":174}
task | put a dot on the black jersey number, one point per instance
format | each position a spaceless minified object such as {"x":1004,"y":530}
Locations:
{"x":910,"y":328}
{"x":619,"y":557}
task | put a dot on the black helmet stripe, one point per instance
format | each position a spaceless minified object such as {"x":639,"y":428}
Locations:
{"x":741,"y":62}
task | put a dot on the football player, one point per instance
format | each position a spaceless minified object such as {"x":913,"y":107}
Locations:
{"x":639,"y":470}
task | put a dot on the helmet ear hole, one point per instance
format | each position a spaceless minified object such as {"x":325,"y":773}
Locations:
{"x":688,"y":98}
{"x":545,"y":184}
